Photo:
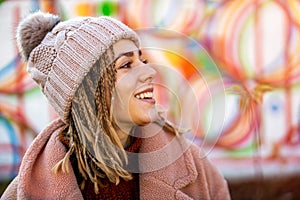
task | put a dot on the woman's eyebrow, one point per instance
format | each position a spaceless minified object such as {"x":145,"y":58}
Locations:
{"x":127,"y":54}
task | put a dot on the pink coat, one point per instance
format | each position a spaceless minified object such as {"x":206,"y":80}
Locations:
{"x":176,"y":171}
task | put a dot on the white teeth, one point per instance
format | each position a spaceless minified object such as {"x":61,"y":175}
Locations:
{"x":147,"y":95}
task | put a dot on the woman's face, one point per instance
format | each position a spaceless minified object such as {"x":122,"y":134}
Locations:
{"x":133,"y":102}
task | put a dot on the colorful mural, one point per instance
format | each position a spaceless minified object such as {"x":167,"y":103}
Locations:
{"x":230,"y":72}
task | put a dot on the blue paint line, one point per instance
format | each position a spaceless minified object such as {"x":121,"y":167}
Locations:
{"x":9,"y":67}
{"x":35,"y":5}
{"x":14,"y":141}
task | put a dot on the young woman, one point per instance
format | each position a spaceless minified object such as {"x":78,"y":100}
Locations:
{"x":110,"y":141}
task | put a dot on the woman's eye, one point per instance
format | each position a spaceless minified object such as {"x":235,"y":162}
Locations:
{"x":145,"y":61}
{"x":126,"y":65}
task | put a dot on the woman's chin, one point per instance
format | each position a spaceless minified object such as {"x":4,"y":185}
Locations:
{"x":148,"y":118}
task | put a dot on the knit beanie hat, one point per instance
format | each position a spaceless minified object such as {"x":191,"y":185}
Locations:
{"x":60,"y":54}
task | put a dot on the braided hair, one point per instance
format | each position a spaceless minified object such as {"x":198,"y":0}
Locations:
{"x":92,"y":131}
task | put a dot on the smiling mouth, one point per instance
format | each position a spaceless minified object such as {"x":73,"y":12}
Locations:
{"x":146,"y":95}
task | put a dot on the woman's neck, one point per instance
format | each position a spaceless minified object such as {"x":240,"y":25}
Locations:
{"x":124,"y":137}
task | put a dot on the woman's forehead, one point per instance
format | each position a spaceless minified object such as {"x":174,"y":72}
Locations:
{"x":122,"y":47}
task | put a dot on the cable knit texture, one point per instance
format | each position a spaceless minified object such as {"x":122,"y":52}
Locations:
{"x":191,"y":176}
{"x":62,"y":57}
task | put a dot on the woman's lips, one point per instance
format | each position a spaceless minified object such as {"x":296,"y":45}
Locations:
{"x":146,"y":96}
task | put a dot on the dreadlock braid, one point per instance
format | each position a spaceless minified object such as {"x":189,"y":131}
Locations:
{"x":93,"y":138}
{"x":92,"y":130}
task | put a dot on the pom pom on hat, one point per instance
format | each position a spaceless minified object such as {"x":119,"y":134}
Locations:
{"x":32,"y":30}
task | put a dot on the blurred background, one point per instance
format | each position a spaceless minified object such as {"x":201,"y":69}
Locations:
{"x":230,"y":70}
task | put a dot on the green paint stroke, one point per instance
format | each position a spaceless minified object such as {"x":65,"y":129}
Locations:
{"x":1,"y":1}
{"x":243,"y":152}
{"x":107,"y":8}
{"x":206,"y":61}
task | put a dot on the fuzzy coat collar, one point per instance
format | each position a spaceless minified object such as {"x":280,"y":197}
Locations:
{"x":167,"y":162}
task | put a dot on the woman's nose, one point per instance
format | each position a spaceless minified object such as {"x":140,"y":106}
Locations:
{"x":148,"y":73}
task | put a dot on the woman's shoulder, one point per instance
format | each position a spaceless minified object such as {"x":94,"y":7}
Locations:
{"x":37,"y":164}
{"x":46,"y":139}
{"x":48,"y":131}
{"x":175,"y":160}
